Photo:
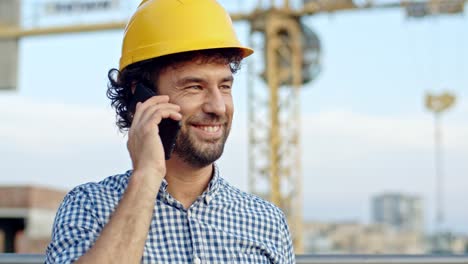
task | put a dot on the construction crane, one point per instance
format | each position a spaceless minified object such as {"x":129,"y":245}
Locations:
{"x":439,"y":104}
{"x":291,"y":58}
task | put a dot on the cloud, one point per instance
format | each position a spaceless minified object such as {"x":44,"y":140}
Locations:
{"x":346,"y":157}
{"x":57,"y":144}
{"x":394,"y":131}
{"x":32,"y":125}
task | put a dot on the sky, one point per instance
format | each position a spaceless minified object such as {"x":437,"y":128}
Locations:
{"x":365,"y":129}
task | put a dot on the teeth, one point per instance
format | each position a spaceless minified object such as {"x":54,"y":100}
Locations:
{"x":210,"y":129}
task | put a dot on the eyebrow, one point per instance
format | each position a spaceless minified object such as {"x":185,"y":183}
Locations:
{"x":191,"y":79}
{"x":228,"y":79}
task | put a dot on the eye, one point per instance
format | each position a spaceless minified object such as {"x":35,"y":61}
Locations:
{"x":194,"y":87}
{"x":225,"y":87}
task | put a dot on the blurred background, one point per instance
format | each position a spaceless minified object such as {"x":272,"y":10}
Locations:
{"x":351,"y":116}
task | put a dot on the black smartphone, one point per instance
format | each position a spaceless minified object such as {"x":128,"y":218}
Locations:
{"x":168,"y":128}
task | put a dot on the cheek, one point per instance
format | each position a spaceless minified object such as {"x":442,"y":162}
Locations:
{"x":229,"y":103}
{"x":187,"y":106}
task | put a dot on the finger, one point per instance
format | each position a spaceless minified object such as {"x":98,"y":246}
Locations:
{"x":140,"y":107}
{"x":148,"y":112}
{"x":165,"y":113}
{"x":158,"y":99}
{"x":152,"y":123}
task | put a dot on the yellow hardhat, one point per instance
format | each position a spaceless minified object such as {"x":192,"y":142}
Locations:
{"x":162,"y":27}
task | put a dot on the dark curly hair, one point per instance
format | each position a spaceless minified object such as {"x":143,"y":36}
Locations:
{"x":146,"y":72}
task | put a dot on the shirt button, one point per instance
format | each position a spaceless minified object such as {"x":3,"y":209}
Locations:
{"x":196,"y":261}
{"x":189,"y":214}
{"x":208,"y":199}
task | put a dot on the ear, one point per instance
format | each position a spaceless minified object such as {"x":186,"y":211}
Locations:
{"x":133,"y":87}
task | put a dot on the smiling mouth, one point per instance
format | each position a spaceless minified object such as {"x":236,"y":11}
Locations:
{"x":209,"y":128}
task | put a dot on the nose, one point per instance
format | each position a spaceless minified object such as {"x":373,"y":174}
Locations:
{"x":214,"y":102}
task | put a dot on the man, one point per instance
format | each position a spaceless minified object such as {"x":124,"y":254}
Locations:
{"x":178,"y":210}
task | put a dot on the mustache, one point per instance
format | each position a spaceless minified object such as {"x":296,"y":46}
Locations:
{"x":208,"y":119}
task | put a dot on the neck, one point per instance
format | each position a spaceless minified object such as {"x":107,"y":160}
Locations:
{"x":186,"y":183}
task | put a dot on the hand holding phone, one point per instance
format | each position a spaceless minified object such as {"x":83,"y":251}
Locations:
{"x":168,"y":128}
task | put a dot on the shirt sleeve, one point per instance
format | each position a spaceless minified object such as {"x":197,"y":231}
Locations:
{"x":288,"y":249}
{"x":75,"y":228}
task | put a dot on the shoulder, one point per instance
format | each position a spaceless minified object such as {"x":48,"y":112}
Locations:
{"x":90,"y":205}
{"x":81,"y":217}
{"x":111,"y":186}
{"x":260,"y":218}
{"x":95,"y":198}
{"x":250,"y":202}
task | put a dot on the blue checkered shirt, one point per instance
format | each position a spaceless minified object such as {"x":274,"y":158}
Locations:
{"x":224,"y":225}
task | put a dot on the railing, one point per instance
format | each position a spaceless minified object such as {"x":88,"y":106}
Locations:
{"x":302,"y":259}
{"x":21,"y":258}
{"x":381,"y":259}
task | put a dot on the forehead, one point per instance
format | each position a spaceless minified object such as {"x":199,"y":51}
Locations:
{"x":198,"y":67}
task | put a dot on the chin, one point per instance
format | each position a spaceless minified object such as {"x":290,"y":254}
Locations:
{"x":199,"y":154}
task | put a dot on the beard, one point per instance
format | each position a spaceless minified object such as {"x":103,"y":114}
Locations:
{"x":200,"y":153}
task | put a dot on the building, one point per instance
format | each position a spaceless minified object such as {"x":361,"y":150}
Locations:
{"x":446,"y":242}
{"x":357,"y":238}
{"x":26,"y":217}
{"x":399,"y":211}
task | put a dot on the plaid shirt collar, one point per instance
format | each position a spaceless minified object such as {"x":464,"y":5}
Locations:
{"x":207,"y":196}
